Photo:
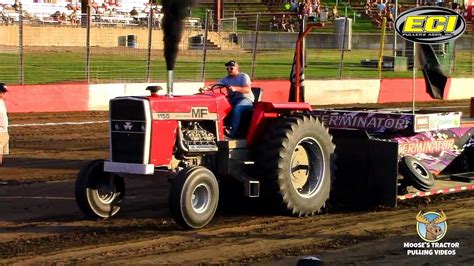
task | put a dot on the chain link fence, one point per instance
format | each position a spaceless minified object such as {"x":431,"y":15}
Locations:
{"x":130,"y":49}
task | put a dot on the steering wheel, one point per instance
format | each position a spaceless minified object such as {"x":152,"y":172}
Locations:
{"x":229,"y":92}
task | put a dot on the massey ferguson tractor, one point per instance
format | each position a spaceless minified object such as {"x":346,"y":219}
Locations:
{"x":285,"y":153}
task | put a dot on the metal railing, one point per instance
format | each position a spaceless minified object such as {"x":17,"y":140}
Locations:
{"x":227,"y":25}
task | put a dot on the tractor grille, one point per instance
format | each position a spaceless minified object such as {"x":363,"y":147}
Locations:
{"x":128,"y":130}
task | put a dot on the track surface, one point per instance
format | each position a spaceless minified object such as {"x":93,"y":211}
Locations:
{"x":40,"y":223}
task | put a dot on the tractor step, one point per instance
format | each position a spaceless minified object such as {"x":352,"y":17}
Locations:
{"x":251,"y":187}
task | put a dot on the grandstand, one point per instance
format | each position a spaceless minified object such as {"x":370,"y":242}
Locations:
{"x":238,"y":15}
{"x":245,"y":12}
{"x":69,"y":11}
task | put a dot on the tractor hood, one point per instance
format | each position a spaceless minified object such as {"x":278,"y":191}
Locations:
{"x":190,"y":107}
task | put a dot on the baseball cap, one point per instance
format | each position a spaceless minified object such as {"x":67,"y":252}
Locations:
{"x":3,"y":87}
{"x":231,"y":63}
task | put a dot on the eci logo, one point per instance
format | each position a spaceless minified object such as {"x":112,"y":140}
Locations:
{"x":430,"y":25}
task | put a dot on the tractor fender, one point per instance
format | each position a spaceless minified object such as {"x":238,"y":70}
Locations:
{"x":265,"y":112}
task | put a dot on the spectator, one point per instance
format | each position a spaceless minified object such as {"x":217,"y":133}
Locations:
{"x":457,"y":8}
{"x":294,"y":5}
{"x":324,"y":14}
{"x":74,"y":18}
{"x":284,"y":23}
{"x":391,"y":8}
{"x":273,"y":23}
{"x":112,"y":12}
{"x":381,"y":6}
{"x":301,"y":8}
{"x":315,"y":7}
{"x":390,"y":20}
{"x":56,"y":16}
{"x":16,"y":6}
{"x":4,"y":16}
{"x":63,"y":18}
{"x":291,"y":24}
{"x":4,"y":137}
{"x":134,"y":12}
{"x":378,"y":19}
{"x":335,"y":13}
{"x":368,"y":10}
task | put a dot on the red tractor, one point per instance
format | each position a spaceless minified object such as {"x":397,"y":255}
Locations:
{"x":285,"y":152}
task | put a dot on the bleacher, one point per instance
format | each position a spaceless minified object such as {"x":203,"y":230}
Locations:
{"x":62,"y":14}
{"x":43,"y":12}
{"x":245,"y":12}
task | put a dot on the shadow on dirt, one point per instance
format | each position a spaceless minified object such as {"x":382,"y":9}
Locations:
{"x":43,"y":163}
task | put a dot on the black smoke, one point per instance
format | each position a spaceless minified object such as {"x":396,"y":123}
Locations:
{"x":174,"y":11}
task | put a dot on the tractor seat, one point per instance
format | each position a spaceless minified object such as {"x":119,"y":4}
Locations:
{"x":257,"y":94}
{"x":247,"y":116}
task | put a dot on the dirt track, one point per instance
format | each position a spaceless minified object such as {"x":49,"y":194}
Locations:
{"x":40,"y":223}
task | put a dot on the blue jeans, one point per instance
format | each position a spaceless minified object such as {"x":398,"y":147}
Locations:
{"x":238,"y":107}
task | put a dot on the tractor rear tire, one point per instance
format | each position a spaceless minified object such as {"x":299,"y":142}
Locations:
{"x":194,"y":197}
{"x":98,"y":194}
{"x":416,"y":173}
{"x":296,"y":164}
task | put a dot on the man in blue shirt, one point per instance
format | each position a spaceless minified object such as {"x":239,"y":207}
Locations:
{"x":242,"y":97}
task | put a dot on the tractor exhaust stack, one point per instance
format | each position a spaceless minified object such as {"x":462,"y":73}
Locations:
{"x":169,"y":84}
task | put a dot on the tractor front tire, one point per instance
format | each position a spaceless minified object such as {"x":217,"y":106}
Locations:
{"x":296,"y":160}
{"x":98,"y":194}
{"x":194,"y":197}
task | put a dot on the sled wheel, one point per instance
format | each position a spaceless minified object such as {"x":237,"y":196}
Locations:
{"x":194,"y":197}
{"x":416,"y":173}
{"x":296,"y":162}
{"x":98,"y":194}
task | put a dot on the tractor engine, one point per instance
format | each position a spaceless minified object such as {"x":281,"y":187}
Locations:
{"x":195,"y":138}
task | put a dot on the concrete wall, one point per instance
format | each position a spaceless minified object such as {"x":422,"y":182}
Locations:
{"x":76,"y":36}
{"x":401,"y":90}
{"x":108,"y":37}
{"x":86,"y":97}
{"x":342,"y":91}
{"x":465,"y":88}
{"x":275,"y":40}
{"x":47,"y":98}
{"x":100,"y":94}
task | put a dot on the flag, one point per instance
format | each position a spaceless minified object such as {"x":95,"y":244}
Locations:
{"x":299,"y":50}
{"x":435,"y":79}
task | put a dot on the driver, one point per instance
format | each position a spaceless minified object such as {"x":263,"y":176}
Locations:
{"x":242,"y":97}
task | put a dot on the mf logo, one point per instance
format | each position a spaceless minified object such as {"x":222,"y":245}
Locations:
{"x":199,"y":112}
{"x":430,"y":25}
{"x":431,"y":226}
